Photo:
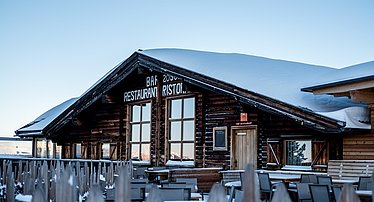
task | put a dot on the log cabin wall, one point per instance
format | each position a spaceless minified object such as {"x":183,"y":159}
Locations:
{"x":101,"y":124}
{"x":360,"y":146}
{"x":218,"y":111}
{"x":107,"y":121}
{"x":278,"y":129}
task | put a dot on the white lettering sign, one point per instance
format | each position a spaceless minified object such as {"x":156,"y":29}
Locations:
{"x":167,"y":89}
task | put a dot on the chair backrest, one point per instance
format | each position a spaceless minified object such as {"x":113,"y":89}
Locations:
{"x":139,"y":180}
{"x":337,"y":190}
{"x":190,"y":181}
{"x":365,"y":183}
{"x":238,"y":196}
{"x":320,"y":193}
{"x":324,"y":180}
{"x":231,"y":194}
{"x":264,"y":180}
{"x":175,"y":194}
{"x":139,"y":172}
{"x":303,"y":192}
{"x":138,"y":194}
{"x":308,"y":178}
{"x":187,"y":180}
{"x":180,"y":185}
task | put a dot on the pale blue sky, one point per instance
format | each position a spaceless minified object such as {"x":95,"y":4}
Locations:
{"x":51,"y":51}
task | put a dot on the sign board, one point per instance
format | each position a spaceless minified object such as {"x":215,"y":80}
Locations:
{"x":171,"y":85}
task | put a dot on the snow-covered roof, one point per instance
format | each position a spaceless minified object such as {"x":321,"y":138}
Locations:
{"x":36,"y":126}
{"x":354,"y":72}
{"x":277,"y":79}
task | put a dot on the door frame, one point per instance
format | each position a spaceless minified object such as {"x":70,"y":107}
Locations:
{"x":232,"y":141}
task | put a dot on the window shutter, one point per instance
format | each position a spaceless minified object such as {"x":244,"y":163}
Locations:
{"x":274,"y":154}
{"x":84,"y":151}
{"x":113,"y":152}
{"x":319,"y":155}
{"x":67,"y":151}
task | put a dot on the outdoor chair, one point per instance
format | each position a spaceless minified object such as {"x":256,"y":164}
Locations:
{"x":137,"y":194}
{"x":238,"y":196}
{"x":231,"y":193}
{"x":175,"y":194}
{"x":308,"y":178}
{"x":191,"y":181}
{"x":146,"y":186}
{"x":179,"y":185}
{"x":337,"y":190}
{"x":139,"y":173}
{"x":324,"y":180}
{"x":320,"y":193}
{"x":303,"y":192}
{"x":365,"y":183}
{"x":266,"y":187}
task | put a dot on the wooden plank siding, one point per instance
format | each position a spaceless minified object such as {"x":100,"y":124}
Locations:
{"x":219,"y":111}
{"x":107,"y":121}
{"x":358,"y":147}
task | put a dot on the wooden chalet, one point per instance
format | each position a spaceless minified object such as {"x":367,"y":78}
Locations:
{"x":356,"y":145}
{"x":199,"y":109}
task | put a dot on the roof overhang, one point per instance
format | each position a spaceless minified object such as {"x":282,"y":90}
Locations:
{"x":359,"y":89}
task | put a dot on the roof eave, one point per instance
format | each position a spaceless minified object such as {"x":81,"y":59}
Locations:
{"x":310,"y":89}
{"x":93,"y":94}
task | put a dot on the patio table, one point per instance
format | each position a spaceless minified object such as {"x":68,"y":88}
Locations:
{"x":345,"y":181}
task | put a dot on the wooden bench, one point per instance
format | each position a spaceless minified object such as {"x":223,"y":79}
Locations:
{"x":350,"y":169}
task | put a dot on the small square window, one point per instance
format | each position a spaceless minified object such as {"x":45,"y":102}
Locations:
{"x":299,"y":152}
{"x":220,"y":138}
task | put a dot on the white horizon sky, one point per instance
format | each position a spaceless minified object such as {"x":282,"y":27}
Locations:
{"x":51,"y":51}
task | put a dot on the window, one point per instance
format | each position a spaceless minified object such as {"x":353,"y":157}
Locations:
{"x":78,"y":151}
{"x":105,"y":149}
{"x":220,"y":138}
{"x":140,"y":131}
{"x":50,"y":149}
{"x":298,"y":152}
{"x":41,"y":148}
{"x":182,"y":129}
{"x":58,"y":151}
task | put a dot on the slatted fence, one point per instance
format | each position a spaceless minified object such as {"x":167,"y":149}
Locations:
{"x":56,"y":179}
{"x":350,"y":169}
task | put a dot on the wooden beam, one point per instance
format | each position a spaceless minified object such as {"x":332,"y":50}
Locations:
{"x":344,"y":88}
{"x":366,"y":96}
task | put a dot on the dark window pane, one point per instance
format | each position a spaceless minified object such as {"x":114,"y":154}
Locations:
{"x":188,"y":130}
{"x":135,"y":133}
{"x":175,"y":131}
{"x":135,"y":113}
{"x":146,"y":112}
{"x":176,"y":109}
{"x":175,"y":151}
{"x":189,"y":108}
{"x":188,"y":151}
{"x":146,"y":132}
